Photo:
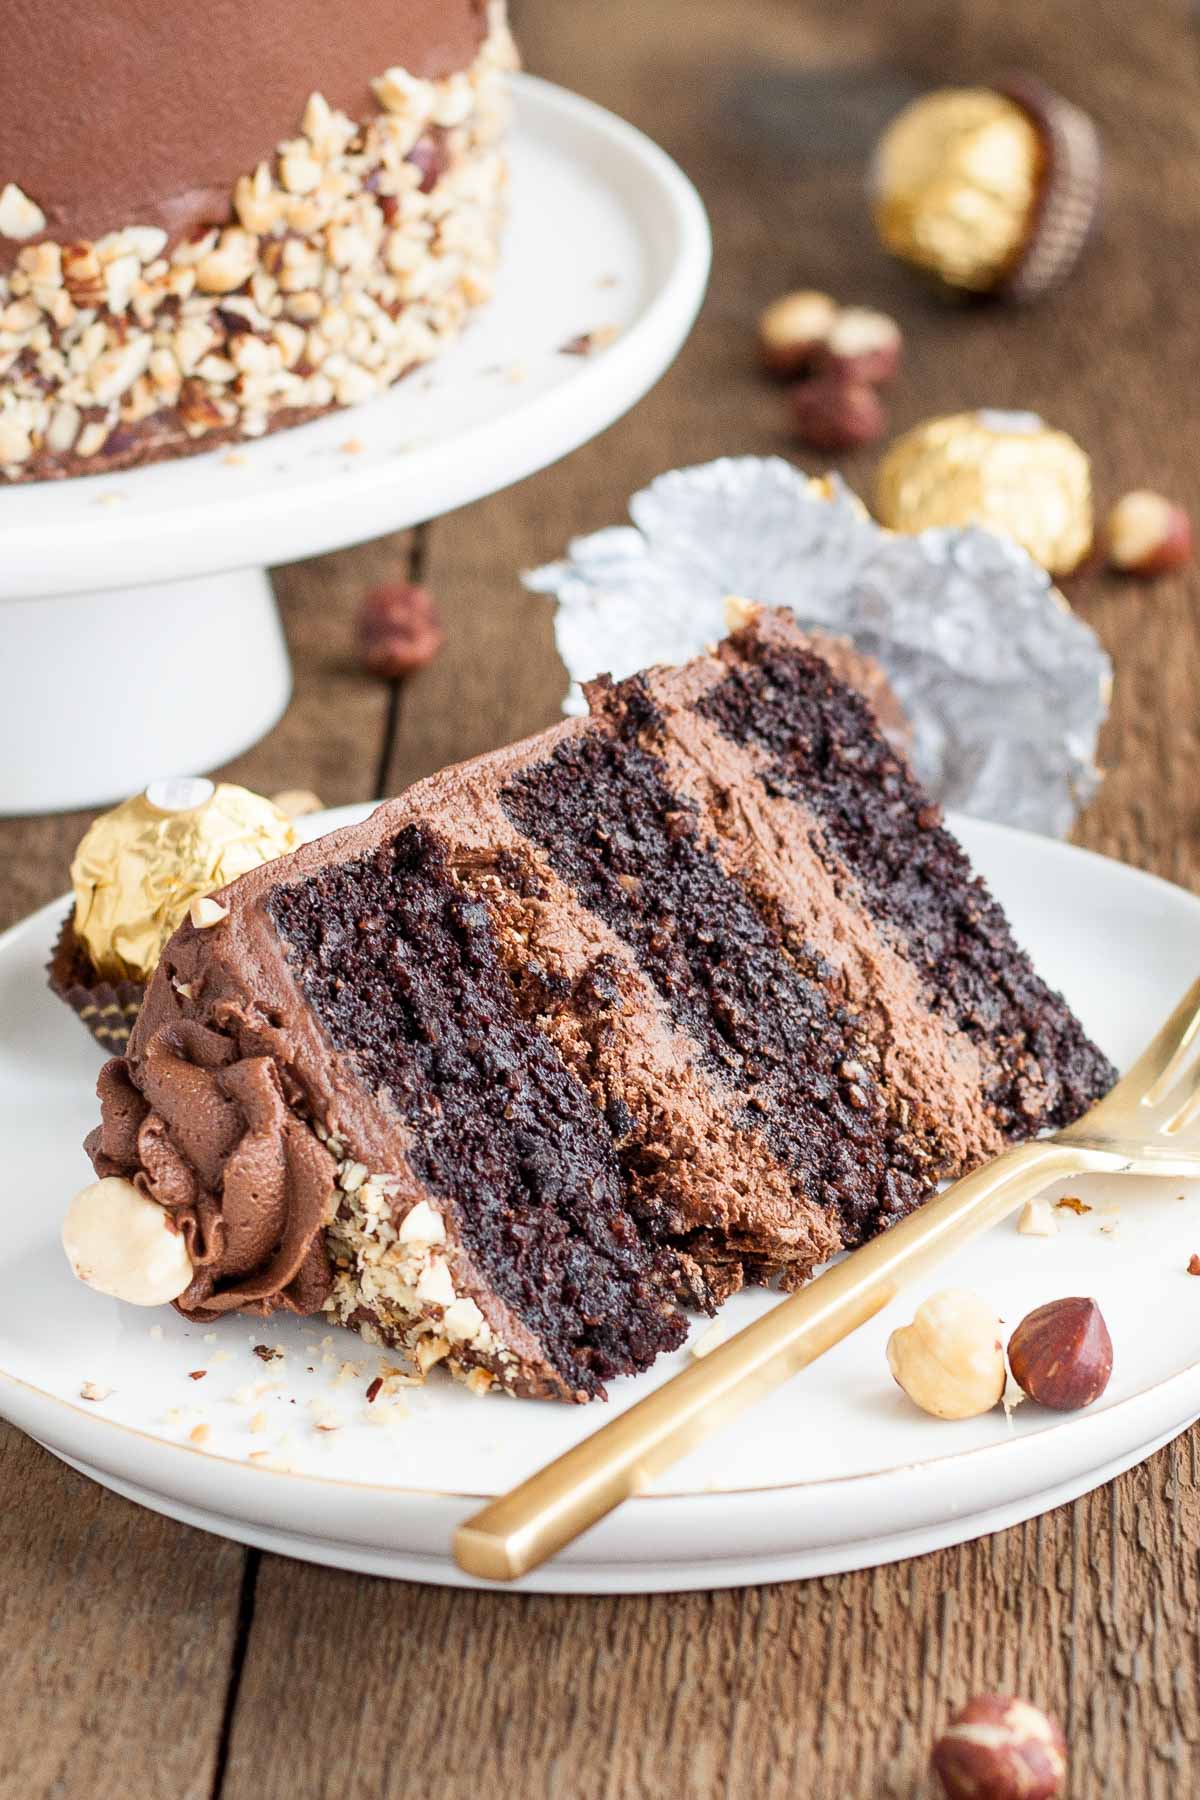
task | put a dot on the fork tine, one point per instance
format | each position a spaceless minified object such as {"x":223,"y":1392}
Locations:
{"x":1152,"y":1073}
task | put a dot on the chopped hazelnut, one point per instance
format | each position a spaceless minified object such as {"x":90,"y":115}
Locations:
{"x":1037,"y":1219}
{"x":20,"y":217}
{"x":205,"y":912}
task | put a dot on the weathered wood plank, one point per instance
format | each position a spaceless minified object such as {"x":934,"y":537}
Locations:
{"x":117,"y":1628}
{"x":832,"y":1688}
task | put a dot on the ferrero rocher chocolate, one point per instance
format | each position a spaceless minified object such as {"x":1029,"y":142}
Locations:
{"x":140,"y":866}
{"x":990,"y":189}
{"x":1004,"y":470}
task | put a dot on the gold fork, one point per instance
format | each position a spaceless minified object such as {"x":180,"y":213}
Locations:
{"x":1137,"y":1129}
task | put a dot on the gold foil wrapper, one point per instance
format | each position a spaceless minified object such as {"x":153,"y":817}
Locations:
{"x":141,"y":865}
{"x":956,"y":185}
{"x":1007,"y":471}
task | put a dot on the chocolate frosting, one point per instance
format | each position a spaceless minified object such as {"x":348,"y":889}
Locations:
{"x":144,"y":113}
{"x":249,"y":1186}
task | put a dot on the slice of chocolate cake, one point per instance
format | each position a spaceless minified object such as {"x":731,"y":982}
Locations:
{"x":695,"y":991}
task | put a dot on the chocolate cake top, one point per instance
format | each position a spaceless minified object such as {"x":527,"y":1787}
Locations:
{"x":144,"y":113}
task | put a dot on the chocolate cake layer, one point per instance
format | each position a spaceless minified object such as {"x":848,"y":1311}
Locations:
{"x":765,"y":1012}
{"x":402,"y":969}
{"x":914,"y":879}
{"x":660,"y":1001}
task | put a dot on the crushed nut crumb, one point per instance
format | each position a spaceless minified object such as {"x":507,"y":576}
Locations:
{"x":1037,"y":1220}
{"x":588,"y":342}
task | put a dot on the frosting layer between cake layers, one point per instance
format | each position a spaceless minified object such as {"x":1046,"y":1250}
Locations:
{"x":693,"y":992}
{"x":255,"y":216}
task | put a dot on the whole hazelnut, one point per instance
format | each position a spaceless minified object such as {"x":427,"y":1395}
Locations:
{"x":1062,"y":1355}
{"x":398,"y":629}
{"x":831,"y":413}
{"x":297,"y":803}
{"x":793,"y":329}
{"x":1146,"y":534}
{"x":998,"y":1748}
{"x":862,"y":345}
{"x":950,"y":1360}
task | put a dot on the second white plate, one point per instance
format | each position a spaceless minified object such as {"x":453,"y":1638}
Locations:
{"x":835,"y":1471}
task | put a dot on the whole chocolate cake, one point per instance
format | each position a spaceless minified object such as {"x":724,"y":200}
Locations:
{"x":217,"y":220}
{"x":693,"y":992}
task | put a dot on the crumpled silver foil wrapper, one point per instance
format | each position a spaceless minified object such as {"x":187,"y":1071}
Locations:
{"x":1005,"y":687}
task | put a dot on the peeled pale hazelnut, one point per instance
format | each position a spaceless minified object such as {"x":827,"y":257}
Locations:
{"x":863,"y":345}
{"x":998,"y":1748}
{"x":297,"y":803}
{"x":831,"y":413}
{"x":1146,"y":534}
{"x":793,"y":330}
{"x":1062,"y":1355}
{"x":398,"y":629}
{"x":950,"y":1360}
{"x":122,"y":1243}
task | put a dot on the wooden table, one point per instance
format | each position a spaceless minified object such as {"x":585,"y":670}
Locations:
{"x":144,"y":1659}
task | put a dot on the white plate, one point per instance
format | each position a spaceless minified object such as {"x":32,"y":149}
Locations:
{"x":836,"y":1471}
{"x":169,"y":561}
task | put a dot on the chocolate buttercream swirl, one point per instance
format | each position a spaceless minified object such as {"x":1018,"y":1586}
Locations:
{"x":209,"y":1136}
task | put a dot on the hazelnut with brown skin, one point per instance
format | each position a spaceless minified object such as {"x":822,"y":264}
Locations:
{"x":831,"y":412}
{"x":1146,"y":534}
{"x":1061,"y":1354}
{"x":862,"y":345}
{"x":398,"y":630}
{"x":793,"y":329}
{"x":1001,"y":1748}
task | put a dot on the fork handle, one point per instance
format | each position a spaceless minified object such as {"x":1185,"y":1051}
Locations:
{"x":520,"y":1530}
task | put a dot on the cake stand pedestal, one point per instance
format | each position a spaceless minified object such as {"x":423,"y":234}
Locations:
{"x":138,"y":630}
{"x":98,"y":689}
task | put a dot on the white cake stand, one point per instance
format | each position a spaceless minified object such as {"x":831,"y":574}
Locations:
{"x":140,"y":636}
